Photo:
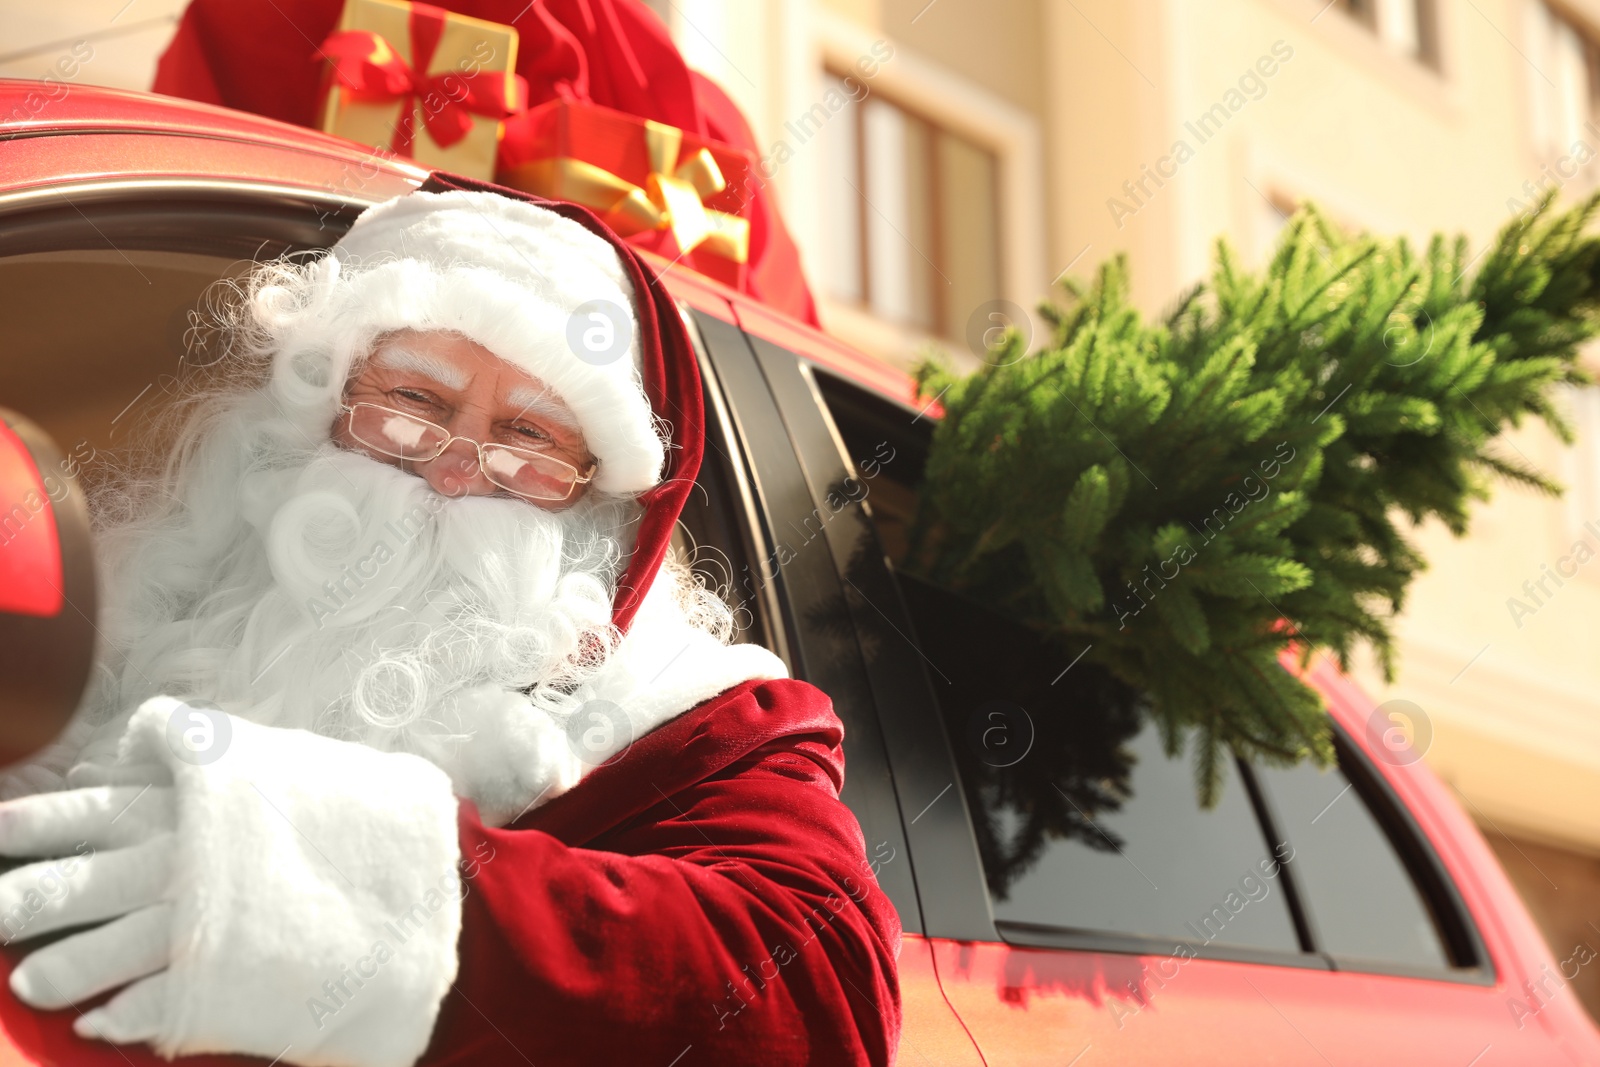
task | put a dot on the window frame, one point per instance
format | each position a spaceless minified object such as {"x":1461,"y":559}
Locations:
{"x":949,"y":101}
{"x":97,"y":210}
{"x":918,"y":112}
{"x":1458,"y":930}
{"x":1582,"y":470}
{"x":1543,"y":154}
{"x":1367,"y":17}
{"x":720,"y":463}
{"x":771,"y":438}
{"x":1437,"y":85}
{"x":1471,"y":963}
{"x":1428,"y":53}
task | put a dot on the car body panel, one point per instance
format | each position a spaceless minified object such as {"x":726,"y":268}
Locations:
{"x":44,"y":162}
{"x":1028,"y":1006}
{"x":817,"y":347}
{"x":31,"y":108}
{"x":1527,"y":974}
{"x":931,"y":1032}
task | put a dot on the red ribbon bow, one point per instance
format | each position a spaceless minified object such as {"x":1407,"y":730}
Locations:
{"x":370,"y":70}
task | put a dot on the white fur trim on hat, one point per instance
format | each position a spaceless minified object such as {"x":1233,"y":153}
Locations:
{"x":512,"y":276}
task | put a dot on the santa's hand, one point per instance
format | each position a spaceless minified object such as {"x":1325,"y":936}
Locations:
{"x":118,"y":848}
{"x":308,"y":864}
{"x":98,"y":817}
{"x":85,"y":965}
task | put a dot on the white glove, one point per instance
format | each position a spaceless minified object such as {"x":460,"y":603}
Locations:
{"x":248,"y":894}
{"x":117,"y":842}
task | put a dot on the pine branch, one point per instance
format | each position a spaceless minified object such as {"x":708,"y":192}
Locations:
{"x":1296,"y":420}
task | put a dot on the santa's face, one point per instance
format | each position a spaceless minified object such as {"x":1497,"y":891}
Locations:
{"x":335,"y":586}
{"x":415,"y":380}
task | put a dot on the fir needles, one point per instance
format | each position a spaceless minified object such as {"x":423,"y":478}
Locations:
{"x":1194,"y":496}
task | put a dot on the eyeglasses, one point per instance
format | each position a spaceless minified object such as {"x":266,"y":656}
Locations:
{"x":530,"y":474}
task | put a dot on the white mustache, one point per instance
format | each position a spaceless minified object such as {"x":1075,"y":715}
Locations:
{"x":351,"y":599}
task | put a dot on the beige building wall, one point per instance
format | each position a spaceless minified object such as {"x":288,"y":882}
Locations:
{"x":123,"y":39}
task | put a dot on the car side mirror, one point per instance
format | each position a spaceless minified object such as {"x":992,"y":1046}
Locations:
{"x":47,"y":590}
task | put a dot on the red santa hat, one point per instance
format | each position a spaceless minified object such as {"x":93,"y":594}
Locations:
{"x":521,"y":276}
{"x":536,"y":289}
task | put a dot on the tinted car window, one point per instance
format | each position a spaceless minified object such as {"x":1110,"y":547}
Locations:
{"x":1361,"y":900}
{"x":1083,"y":821}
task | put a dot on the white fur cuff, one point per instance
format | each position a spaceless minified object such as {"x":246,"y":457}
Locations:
{"x":316,"y":898}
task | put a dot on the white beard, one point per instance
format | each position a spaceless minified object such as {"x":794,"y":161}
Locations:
{"x":319,"y":589}
{"x":367,"y":599}
{"x":341,"y":595}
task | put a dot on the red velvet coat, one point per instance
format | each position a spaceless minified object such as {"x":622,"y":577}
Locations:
{"x":703,"y":899}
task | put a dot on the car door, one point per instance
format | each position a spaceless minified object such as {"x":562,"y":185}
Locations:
{"x":789,"y":577}
{"x":1079,"y":904}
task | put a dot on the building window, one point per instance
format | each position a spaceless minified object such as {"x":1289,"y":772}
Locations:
{"x":1410,"y":27}
{"x":1584,"y":461}
{"x":1564,"y":84}
{"x":912,"y":216}
{"x":1363,"y":11}
{"x":1274,"y":208}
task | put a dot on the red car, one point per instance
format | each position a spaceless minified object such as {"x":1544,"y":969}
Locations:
{"x":1064,"y":898}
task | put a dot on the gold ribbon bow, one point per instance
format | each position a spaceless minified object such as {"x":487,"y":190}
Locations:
{"x":672,"y":197}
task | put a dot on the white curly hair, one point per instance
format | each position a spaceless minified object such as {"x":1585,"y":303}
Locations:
{"x":249,"y":563}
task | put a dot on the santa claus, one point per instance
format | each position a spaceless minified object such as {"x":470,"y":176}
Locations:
{"x":410,"y":739}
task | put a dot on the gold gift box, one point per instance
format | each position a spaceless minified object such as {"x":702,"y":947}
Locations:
{"x":466,"y":46}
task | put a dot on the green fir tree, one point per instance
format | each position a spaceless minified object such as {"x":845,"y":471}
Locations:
{"x":1191,"y":498}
